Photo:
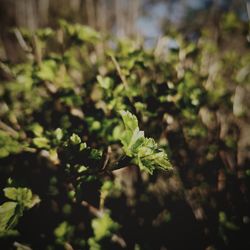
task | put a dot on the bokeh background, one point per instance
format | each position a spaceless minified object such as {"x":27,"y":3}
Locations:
{"x":148,"y":19}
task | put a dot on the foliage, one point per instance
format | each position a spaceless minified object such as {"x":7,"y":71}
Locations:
{"x":102,"y":227}
{"x":144,"y":151}
{"x":11,"y":211}
{"x":73,"y":115}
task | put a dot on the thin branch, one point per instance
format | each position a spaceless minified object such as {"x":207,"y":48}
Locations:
{"x":106,"y":158}
{"x":37,"y":50}
{"x":117,"y":239}
{"x":6,"y":72}
{"x":118,"y":68}
{"x":123,"y":78}
{"x":123,"y":162}
{"x":8,"y":129}
{"x":21,"y":246}
{"x":21,"y":41}
{"x":99,"y":213}
{"x":68,"y":246}
{"x":93,"y":210}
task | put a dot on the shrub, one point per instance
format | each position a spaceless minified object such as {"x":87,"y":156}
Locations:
{"x":73,"y":116}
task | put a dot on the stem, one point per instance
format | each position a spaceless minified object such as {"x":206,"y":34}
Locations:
{"x":37,"y":50}
{"x":123,"y":162}
{"x":99,"y":213}
{"x":8,"y":129}
{"x":21,"y":41}
{"x":68,"y":246}
{"x":118,"y":68}
{"x":123,"y":78}
{"x":93,"y":210}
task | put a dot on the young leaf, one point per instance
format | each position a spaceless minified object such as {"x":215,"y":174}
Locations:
{"x":75,"y":139}
{"x":144,"y":151}
{"x":105,"y":82}
{"x":7,"y":215}
{"x":22,"y":196}
{"x":41,"y":142}
{"x":132,"y":137}
{"x":103,"y":226}
{"x":11,"y":211}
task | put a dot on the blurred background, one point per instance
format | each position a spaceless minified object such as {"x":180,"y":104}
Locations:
{"x":134,"y":18}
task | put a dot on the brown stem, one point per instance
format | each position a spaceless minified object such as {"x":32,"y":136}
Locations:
{"x":123,"y":162}
{"x":118,"y":68}
{"x":8,"y":129}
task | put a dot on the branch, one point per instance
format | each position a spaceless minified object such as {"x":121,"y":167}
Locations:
{"x":93,"y":210}
{"x":99,"y":213}
{"x":21,"y":41}
{"x":123,"y":162}
{"x":8,"y":129}
{"x":21,"y":246}
{"x":118,"y":68}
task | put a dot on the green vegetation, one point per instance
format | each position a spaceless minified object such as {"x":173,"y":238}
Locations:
{"x":119,"y":142}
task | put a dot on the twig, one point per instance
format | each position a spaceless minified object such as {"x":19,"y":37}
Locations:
{"x":8,"y":129}
{"x":96,"y":212}
{"x":37,"y":50}
{"x":6,"y":71}
{"x":106,"y":160}
{"x":123,"y":162}
{"x":21,"y":246}
{"x":117,"y":239}
{"x":21,"y":40}
{"x":67,"y":246}
{"x":118,"y":68}
{"x":99,"y":213}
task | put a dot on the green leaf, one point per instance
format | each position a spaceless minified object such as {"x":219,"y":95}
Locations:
{"x":132,"y":137}
{"x":81,"y":169}
{"x":41,"y":142}
{"x":75,"y":139}
{"x":59,"y":134}
{"x":44,"y":33}
{"x":144,"y":151}
{"x":93,"y":244}
{"x":8,"y":145}
{"x":105,"y":82}
{"x":80,"y":32}
{"x":83,"y":146}
{"x":33,"y":201}
{"x":103,"y":226}
{"x":130,"y":120}
{"x":61,"y":230}
{"x":85,"y":33}
{"x":95,"y":154}
{"x":37,"y":129}
{"x":8,"y":217}
{"x":47,"y":70}
{"x":11,"y":211}
{"x":11,"y":193}
{"x":9,"y":233}
{"x":23,"y":196}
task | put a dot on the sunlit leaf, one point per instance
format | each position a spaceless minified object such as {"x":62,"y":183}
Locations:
{"x":144,"y":151}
